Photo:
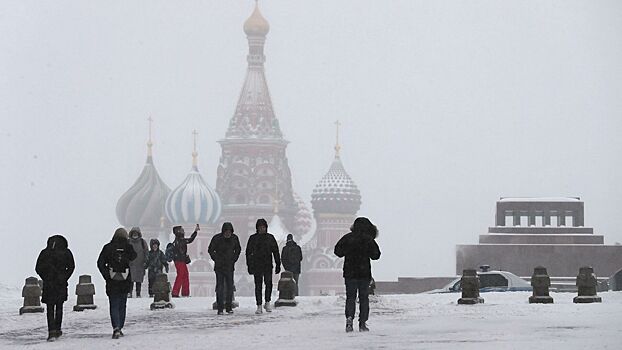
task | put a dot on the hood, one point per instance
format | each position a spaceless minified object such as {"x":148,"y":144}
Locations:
{"x":120,"y":234}
{"x":57,"y":242}
{"x":227,"y":226}
{"x":291,"y":243}
{"x":154,"y":241}
{"x":135,"y":233}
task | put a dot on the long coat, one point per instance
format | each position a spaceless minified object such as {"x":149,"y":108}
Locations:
{"x":55,"y":265}
{"x":137,"y":266}
{"x":120,"y":250}
{"x":260,"y":249}
{"x":358,"y":248}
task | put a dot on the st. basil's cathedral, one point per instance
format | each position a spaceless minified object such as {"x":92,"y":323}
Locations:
{"x":253,"y":181}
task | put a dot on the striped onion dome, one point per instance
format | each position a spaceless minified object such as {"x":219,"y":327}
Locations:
{"x":143,"y":203}
{"x":193,"y":202}
{"x":336,"y":193}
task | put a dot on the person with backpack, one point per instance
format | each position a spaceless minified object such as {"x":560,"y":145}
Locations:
{"x":55,"y":265}
{"x":178,"y":252}
{"x":358,"y":247}
{"x":260,"y":249}
{"x":137,"y":266}
{"x":291,"y":256}
{"x":156,"y":261}
{"x":224,"y":249}
{"x":114,"y":265}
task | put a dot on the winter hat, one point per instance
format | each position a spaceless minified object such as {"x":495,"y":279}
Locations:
{"x":176,"y":230}
{"x":227,"y":226}
{"x":261,"y":222}
{"x":120,"y":233}
{"x":290,"y":237}
{"x":154,"y":241}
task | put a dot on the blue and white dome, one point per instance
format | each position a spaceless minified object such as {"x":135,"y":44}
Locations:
{"x":193,"y":202}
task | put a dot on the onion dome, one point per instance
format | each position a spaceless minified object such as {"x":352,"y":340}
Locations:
{"x":256,"y":24}
{"x":143,"y":203}
{"x":277,"y":228}
{"x":303,"y":220}
{"x":193,"y":202}
{"x":336,"y":193}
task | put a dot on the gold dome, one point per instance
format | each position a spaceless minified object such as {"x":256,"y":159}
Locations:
{"x":256,"y":25}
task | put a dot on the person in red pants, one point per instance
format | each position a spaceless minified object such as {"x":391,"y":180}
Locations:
{"x":179,"y":251}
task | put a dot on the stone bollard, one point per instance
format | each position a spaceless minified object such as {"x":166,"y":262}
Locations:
{"x":540,"y":281}
{"x":586,"y":284}
{"x":32,"y":296}
{"x":470,"y":288}
{"x":85,"y":290}
{"x":234,"y":303}
{"x":287,"y":290}
{"x":161,"y":293}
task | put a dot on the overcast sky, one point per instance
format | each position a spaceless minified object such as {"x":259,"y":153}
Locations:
{"x":445,"y":106}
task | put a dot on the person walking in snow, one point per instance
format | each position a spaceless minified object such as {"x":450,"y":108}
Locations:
{"x":114,"y":265}
{"x":55,"y":265}
{"x":155,"y":263}
{"x":260,"y":249}
{"x":224,"y":249}
{"x":291,"y":256}
{"x":137,"y":266}
{"x":358,"y":247}
{"x":179,"y":251}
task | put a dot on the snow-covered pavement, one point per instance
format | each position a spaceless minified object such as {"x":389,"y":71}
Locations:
{"x":422,"y":321}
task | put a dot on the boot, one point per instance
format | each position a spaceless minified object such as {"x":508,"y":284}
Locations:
{"x":116,"y":334}
{"x":349,"y":325}
{"x":120,"y":332}
{"x":258,"y":311}
{"x":51,"y":335}
{"x":58,"y":333}
{"x":220,"y":312}
{"x":363,"y":327}
{"x":267,"y":307}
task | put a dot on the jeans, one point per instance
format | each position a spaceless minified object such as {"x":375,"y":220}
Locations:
{"x":118,"y":304}
{"x":55,"y":315}
{"x":138,"y":288}
{"x":360,"y":285}
{"x":266,"y":277}
{"x":182,"y":280}
{"x":224,"y":289}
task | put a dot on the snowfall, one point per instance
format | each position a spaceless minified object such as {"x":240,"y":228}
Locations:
{"x":418,"y":321}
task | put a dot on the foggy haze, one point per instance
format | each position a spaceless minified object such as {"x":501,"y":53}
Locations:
{"x":444,"y":106}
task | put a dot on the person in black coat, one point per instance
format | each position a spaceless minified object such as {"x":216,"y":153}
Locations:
{"x":291,"y":256}
{"x":224,"y":249}
{"x":55,"y":265}
{"x":114,"y":265}
{"x":358,"y":247}
{"x":155,"y":263}
{"x":260,"y":249}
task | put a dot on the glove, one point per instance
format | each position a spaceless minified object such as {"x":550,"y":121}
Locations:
{"x":277,"y":270}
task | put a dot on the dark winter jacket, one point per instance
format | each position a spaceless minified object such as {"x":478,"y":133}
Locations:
{"x":358,"y":248}
{"x":116,"y":256}
{"x":156,"y":262}
{"x":180,"y":248}
{"x":291,"y":257}
{"x":259,"y":251}
{"x":224,"y":251}
{"x":55,"y":265}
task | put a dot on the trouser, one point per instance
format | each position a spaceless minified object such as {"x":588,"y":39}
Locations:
{"x":55,"y":315}
{"x":265,"y":277}
{"x":296,"y":276}
{"x":151,"y":277}
{"x":360,"y":285}
{"x":224,"y":289}
{"x":181,"y":281}
{"x":118,"y":303}
{"x":138,"y":288}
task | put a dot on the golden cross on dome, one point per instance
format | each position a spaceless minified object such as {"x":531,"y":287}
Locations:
{"x":194,"y":151}
{"x":149,"y":143}
{"x":337,"y":146}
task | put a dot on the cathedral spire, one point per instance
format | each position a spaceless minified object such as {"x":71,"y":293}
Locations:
{"x":337,"y":146}
{"x":149,"y":143}
{"x":194,"y":150}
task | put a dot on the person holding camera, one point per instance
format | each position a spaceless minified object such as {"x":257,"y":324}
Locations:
{"x":114,"y":265}
{"x":179,"y":249}
{"x":260,"y":249}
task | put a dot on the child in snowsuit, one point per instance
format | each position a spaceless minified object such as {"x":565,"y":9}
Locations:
{"x":155,"y":263}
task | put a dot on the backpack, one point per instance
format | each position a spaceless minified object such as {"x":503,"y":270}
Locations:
{"x":119,"y":265}
{"x":169,"y":254}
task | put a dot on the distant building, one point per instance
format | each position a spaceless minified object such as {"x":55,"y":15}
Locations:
{"x":540,"y":231}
